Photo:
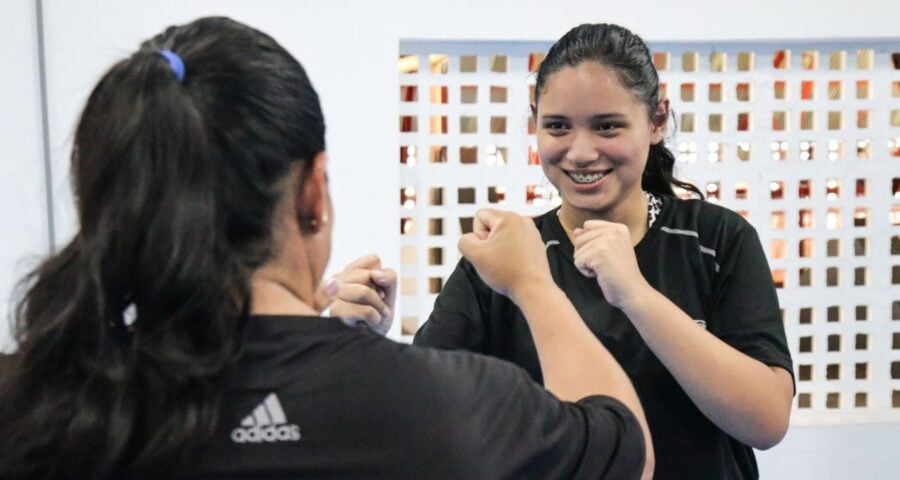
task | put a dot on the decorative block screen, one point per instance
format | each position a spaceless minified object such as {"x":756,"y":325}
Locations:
{"x":800,"y":137}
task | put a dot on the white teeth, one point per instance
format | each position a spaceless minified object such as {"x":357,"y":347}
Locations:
{"x":579,"y":178}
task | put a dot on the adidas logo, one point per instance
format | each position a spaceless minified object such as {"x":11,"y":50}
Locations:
{"x":267,"y":424}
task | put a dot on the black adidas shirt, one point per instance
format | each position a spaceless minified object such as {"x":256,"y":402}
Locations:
{"x":313,"y":398}
{"x":707,"y":260}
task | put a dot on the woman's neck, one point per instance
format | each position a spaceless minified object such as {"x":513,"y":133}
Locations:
{"x":275,"y":292}
{"x":631,"y":212}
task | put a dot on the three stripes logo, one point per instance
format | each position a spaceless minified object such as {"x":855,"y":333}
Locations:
{"x":266,"y":424}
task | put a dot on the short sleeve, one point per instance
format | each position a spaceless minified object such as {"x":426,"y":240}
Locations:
{"x":457,"y":321}
{"x":505,"y":426}
{"x":745,"y":305}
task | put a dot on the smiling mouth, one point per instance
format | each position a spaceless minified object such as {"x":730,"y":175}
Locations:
{"x":587,"y":178}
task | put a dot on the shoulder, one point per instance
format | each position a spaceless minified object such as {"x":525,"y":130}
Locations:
{"x":712,"y":223}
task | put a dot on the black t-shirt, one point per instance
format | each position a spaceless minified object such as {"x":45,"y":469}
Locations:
{"x":313,"y":398}
{"x":706,"y":259}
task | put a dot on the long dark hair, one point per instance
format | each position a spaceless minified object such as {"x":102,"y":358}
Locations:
{"x":124,"y":336}
{"x":623,"y":52}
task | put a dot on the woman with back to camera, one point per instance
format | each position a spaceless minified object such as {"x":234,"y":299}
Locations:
{"x":178,"y":333}
{"x":679,"y":291}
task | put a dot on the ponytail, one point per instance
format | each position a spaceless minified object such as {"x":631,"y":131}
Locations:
{"x":658,"y":173}
{"x":125,"y":336}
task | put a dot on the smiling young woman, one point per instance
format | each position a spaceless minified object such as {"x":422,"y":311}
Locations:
{"x":679,"y":291}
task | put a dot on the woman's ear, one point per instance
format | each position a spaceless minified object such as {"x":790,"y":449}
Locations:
{"x":534,"y":111}
{"x":659,"y":122}
{"x":310,"y":199}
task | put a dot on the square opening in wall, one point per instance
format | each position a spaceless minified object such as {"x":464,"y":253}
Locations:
{"x":438,"y":124}
{"x":689,"y":61}
{"x":778,"y":278}
{"x":745,"y":61}
{"x":805,"y":316}
{"x":832,"y":279}
{"x":837,"y":60}
{"x":865,"y":58}
{"x":860,"y":246}
{"x":409,"y":93}
{"x":468,"y":124}
{"x":408,"y":64}
{"x":743,"y":92}
{"x":468,"y":63}
{"x":407,"y":226}
{"x":498,"y":94}
{"x":661,"y":60}
{"x":861,"y":341}
{"x":863,"y":89}
{"x":465,"y":225}
{"x":781,"y":60}
{"x":687,"y":92}
{"x":535,"y":60}
{"x":718,"y":62}
{"x":436,"y":196}
{"x":834,"y":343}
{"x":439,"y":63}
{"x":807,"y":90}
{"x":435,"y":284}
{"x":810,"y":59}
{"x":468,"y":94}
{"x":806,"y":248}
{"x":743,"y":122}
{"x":715,"y":92}
{"x":468,"y":155}
{"x":438,"y":94}
{"x":780,"y":89}
{"x":833,"y":247}
{"x":437,"y":153}
{"x":408,"y":255}
{"x":435,"y":226}
{"x":835,"y":90}
{"x":776,"y":191}
{"x":409,"y":325}
{"x":465,"y":196}
{"x":499,"y":63}
{"x":498,"y":124}
{"x":408,"y":286}
{"x":805,"y":277}
{"x":497,"y":195}
{"x":435,"y":256}
{"x":833,"y":313}
{"x":409,"y":123}
{"x":777,"y":249}
{"x":743,"y":151}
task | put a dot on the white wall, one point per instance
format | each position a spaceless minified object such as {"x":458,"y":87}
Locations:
{"x":349,"y":48}
{"x":23,"y":219}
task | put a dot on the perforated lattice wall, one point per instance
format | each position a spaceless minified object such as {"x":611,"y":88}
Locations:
{"x":802,"y":138}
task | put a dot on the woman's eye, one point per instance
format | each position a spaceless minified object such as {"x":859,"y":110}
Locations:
{"x":556,"y":126}
{"x":606,"y":127}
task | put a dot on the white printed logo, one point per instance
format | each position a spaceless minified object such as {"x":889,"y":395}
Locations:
{"x":267,"y":424}
{"x":702,"y":323}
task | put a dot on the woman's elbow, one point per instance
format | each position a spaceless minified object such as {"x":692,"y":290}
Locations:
{"x":771,"y":433}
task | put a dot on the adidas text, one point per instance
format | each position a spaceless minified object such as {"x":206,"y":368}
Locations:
{"x":270,"y":433}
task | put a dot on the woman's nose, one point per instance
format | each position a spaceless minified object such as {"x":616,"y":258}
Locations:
{"x":583,"y":150}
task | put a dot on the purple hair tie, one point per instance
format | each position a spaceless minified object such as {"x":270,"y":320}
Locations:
{"x":175,"y":63}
